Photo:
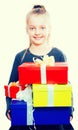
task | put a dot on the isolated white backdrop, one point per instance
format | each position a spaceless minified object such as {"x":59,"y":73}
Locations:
{"x":13,"y":38}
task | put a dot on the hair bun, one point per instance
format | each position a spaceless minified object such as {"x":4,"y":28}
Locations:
{"x":39,"y":9}
{"x":37,"y":6}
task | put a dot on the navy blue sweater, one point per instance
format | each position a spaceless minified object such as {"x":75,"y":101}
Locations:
{"x":58,"y":55}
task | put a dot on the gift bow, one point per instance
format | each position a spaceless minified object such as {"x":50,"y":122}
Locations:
{"x":14,"y":84}
{"x":46,"y":60}
{"x":25,"y":95}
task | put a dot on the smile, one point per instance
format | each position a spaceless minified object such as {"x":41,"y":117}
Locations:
{"x":38,"y":38}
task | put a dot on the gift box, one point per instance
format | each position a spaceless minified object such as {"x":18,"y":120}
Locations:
{"x":21,"y":113}
{"x":11,"y":91}
{"x":30,"y":73}
{"x":51,"y":115}
{"x":52,"y":95}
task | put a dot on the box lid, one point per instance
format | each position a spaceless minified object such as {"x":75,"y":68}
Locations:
{"x":17,"y":104}
{"x":55,"y":87}
{"x":56,"y":64}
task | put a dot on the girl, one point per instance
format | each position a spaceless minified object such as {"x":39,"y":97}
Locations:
{"x":38,"y":29}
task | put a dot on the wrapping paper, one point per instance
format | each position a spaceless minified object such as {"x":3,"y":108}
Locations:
{"x":11,"y":91}
{"x":26,"y":95}
{"x":52,"y":95}
{"x":31,"y":73}
{"x":21,"y":113}
{"x":52,"y":115}
{"x":23,"y":105}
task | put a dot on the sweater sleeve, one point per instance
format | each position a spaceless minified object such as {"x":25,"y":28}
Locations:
{"x":72,"y":108}
{"x":8,"y":102}
{"x":13,"y":78}
{"x":63,"y":58}
{"x":14,"y":71}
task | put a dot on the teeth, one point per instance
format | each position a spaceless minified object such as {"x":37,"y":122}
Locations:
{"x":37,"y":38}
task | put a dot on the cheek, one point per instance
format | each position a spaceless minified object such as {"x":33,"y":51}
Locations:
{"x":29,"y":33}
{"x":46,"y":34}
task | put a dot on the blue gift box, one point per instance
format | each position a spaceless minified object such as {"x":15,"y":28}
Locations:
{"x":51,"y":115}
{"x":41,"y":115}
{"x":19,"y":113}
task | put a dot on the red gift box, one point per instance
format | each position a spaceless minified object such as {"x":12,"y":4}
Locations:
{"x":11,"y":91}
{"x":30,"y":73}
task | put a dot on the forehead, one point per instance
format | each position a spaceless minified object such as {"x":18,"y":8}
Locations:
{"x":35,"y":19}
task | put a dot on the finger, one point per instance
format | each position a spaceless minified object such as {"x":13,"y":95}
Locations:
{"x":71,"y":118}
{"x":8,"y":115}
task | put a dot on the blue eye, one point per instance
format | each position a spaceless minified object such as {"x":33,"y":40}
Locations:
{"x":32,"y":28}
{"x":43,"y":28}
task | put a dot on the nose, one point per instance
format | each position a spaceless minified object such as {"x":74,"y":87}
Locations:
{"x":37,"y":31}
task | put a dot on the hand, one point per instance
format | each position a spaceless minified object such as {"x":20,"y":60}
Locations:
{"x":27,"y":85}
{"x":71,"y":118}
{"x":8,"y":115}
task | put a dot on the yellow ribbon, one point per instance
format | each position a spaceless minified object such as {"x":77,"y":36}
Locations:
{"x":46,"y":60}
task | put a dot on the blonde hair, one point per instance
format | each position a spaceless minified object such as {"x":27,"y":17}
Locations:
{"x":37,"y":10}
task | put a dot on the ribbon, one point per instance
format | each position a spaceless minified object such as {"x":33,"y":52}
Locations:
{"x":43,"y":62}
{"x":46,"y":60}
{"x":50,"y":95}
{"x":43,"y":74}
{"x":26,"y":95}
{"x":29,"y":114}
{"x":9,"y":90}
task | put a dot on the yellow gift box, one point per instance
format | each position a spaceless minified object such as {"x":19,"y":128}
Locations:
{"x":52,"y":95}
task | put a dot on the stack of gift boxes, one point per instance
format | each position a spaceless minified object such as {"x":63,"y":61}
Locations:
{"x":51,"y":95}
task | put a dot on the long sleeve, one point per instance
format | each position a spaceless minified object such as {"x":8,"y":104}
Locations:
{"x":13,"y":78}
{"x":8,"y":102}
{"x":14,"y":72}
{"x":58,"y":55}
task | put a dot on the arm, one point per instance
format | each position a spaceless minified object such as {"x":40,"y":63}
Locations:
{"x":71,"y":109}
{"x":14,"y":71}
{"x":13,"y":78}
{"x":8,"y":102}
{"x":64,"y":59}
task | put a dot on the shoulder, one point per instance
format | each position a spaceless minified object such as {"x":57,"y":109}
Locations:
{"x":57,"y":50}
{"x":19,"y":55}
{"x":58,"y":54}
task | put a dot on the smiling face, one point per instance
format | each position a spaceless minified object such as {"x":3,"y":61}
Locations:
{"x":38,"y":29}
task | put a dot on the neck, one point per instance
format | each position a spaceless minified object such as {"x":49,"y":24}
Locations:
{"x":40,"y":49}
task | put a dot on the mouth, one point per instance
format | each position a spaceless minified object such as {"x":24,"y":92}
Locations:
{"x":38,"y":38}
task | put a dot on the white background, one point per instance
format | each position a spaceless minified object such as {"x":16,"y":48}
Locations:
{"x":13,"y":38}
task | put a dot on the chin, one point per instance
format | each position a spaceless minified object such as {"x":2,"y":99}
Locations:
{"x":38,"y":44}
